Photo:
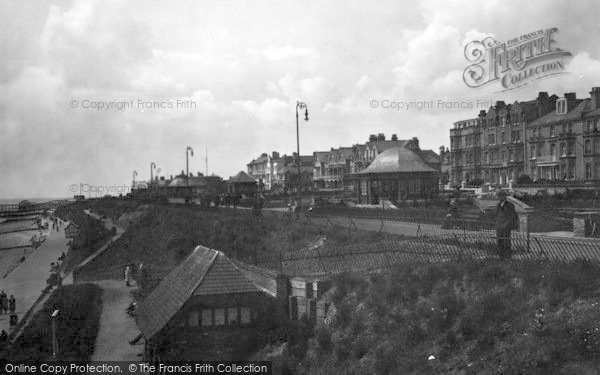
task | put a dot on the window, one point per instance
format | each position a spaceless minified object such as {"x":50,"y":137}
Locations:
{"x":207,"y":318}
{"x":219,"y":316}
{"x":532,"y":151}
{"x":563,"y":149}
{"x":552,"y":131}
{"x":552,"y":149}
{"x":588,"y":171}
{"x":503,"y":155}
{"x":597,"y":146}
{"x":245,"y":316}
{"x":491,"y":139}
{"x":232,"y":315}
{"x":561,"y":106}
{"x":503,"y":137}
{"x":588,"y":146}
{"x":193,"y":318}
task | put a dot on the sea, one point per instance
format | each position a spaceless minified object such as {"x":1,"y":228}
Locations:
{"x":32,"y":200}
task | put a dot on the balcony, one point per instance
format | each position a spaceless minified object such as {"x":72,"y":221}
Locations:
{"x":592,"y":133}
{"x":566,"y":135}
{"x":547,"y":160}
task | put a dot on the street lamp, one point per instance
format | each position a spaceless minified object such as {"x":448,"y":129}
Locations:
{"x":187,"y":169}
{"x":299,"y":105}
{"x":53,"y":317}
{"x":205,"y":161}
{"x":134,"y":174}
{"x":152,"y":168}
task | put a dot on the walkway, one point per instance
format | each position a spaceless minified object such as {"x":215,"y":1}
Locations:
{"x":28,"y":280}
{"x":117,"y":328}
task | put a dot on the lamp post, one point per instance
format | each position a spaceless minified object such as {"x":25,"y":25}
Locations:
{"x":133,"y":184}
{"x":53,"y":317}
{"x":299,"y":105}
{"x":188,"y":151}
{"x":152,"y":168}
{"x":205,"y":161}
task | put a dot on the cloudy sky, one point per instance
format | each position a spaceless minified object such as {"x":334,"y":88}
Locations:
{"x":244,"y":64}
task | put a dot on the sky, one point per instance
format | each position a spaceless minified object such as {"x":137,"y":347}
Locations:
{"x":91,"y":91}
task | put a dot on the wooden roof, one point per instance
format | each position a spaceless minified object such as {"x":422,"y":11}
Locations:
{"x":204,"y":272}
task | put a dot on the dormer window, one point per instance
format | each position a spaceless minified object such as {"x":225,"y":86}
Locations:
{"x":561,"y":106}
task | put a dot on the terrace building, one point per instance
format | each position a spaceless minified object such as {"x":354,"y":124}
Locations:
{"x":564,"y":145}
{"x":490,"y":148}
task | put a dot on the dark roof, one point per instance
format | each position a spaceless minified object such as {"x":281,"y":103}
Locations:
{"x":242,"y":177}
{"x":157,"y":309}
{"x":385,"y":145}
{"x":259,"y":160}
{"x":397,"y":160}
{"x":204,"y":272}
{"x":551,"y":117}
{"x":320,"y":156}
{"x":429,"y":156}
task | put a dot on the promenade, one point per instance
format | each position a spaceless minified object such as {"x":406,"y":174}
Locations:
{"x":27,"y":281}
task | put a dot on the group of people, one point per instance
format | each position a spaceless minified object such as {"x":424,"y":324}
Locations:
{"x":7,"y":303}
{"x":56,"y":223}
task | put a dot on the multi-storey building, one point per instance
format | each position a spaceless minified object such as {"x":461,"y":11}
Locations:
{"x":276,"y":172}
{"x":565,"y":143}
{"x":547,"y":139}
{"x":491,"y":147}
{"x":331,"y":166}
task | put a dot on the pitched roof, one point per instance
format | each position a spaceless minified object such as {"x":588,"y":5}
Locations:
{"x":574,"y":114}
{"x":385,"y":145}
{"x":204,"y":272}
{"x":397,"y":160}
{"x":259,"y":160}
{"x":242,"y":177}
{"x":429,"y":156}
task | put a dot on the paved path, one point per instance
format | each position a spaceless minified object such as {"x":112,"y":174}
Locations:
{"x":28,"y":280}
{"x":116,"y":327}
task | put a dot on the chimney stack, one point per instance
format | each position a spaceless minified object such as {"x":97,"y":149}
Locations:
{"x":275,"y":155}
{"x":571,"y":100}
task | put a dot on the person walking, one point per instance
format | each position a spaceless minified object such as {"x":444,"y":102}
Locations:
{"x":506,"y":220}
{"x":127,"y":275}
{"x":12,"y":304}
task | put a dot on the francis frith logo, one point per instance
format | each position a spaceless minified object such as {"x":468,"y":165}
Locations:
{"x":516,"y":62}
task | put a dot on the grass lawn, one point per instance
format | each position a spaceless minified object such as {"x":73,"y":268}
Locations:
{"x":76,"y":327}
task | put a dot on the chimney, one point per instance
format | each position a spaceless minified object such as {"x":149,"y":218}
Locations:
{"x":571,"y":100}
{"x":380,"y":137}
{"x":414,"y":144}
{"x":500,"y":104}
{"x":275,"y":155}
{"x":264,"y":154}
{"x":394,"y":137}
{"x":595,"y":97}
{"x":542,"y":104}
{"x":372,"y":138}
{"x":482,"y":114}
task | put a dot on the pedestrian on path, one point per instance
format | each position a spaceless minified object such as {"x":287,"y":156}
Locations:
{"x":506,"y":220}
{"x":12,"y":304}
{"x":127,"y":275}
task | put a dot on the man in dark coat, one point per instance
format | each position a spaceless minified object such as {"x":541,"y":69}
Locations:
{"x":506,"y":220}
{"x":12,"y":304}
